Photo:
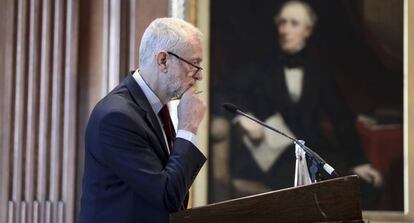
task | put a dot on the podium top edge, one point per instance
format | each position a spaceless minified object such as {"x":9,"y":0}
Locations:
{"x":344,"y":178}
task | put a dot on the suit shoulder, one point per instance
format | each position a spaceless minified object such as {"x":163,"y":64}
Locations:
{"x":119,"y":100}
{"x":116,"y":103}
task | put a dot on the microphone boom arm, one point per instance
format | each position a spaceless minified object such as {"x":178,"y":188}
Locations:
{"x":329,"y":169}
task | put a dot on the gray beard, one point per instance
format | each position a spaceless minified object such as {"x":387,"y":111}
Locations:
{"x":175,"y":89}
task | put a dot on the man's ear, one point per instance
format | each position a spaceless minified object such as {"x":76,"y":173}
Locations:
{"x":162,"y":61}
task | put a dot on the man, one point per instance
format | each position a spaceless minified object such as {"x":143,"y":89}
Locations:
{"x":296,"y":95}
{"x":135,"y":169}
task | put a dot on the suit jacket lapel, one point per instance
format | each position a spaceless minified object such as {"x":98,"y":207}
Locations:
{"x":150,"y":116}
{"x":278,"y":78}
{"x":311,"y":82}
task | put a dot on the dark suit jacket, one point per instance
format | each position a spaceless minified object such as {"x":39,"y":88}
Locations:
{"x":129,"y":176}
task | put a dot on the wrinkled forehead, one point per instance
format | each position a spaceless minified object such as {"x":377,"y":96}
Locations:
{"x":295,"y":12}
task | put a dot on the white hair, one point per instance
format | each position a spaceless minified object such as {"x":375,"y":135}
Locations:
{"x":170,"y":34}
{"x":313,"y":18}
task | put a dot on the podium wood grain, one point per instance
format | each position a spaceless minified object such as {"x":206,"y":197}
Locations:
{"x":336,"y":200}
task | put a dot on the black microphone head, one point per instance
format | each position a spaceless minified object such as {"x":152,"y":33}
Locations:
{"x":230,"y":107}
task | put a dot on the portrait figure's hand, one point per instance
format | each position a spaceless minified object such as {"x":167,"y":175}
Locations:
{"x":369,"y":174}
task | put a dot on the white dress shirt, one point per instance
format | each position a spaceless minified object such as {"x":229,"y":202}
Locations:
{"x":294,"y":82}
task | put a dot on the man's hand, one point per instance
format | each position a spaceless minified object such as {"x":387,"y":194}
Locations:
{"x":254,"y":131}
{"x":369,"y":174}
{"x":191,"y":110}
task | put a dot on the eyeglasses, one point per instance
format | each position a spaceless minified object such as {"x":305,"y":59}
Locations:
{"x":188,"y":62}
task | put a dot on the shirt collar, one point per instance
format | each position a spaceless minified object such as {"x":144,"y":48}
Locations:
{"x":154,"y":101}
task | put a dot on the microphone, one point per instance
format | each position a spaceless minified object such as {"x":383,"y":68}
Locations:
{"x":328,"y":168}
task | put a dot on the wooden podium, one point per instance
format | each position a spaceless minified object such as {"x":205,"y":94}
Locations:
{"x":335,"y":200}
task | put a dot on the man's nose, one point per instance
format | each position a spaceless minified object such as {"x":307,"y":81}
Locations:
{"x":199,"y":75}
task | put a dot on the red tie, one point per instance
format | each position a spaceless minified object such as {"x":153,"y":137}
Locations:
{"x":164,"y":115}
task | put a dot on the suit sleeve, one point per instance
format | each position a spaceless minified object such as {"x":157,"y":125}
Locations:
{"x":126,"y":149}
{"x":344,"y":124}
